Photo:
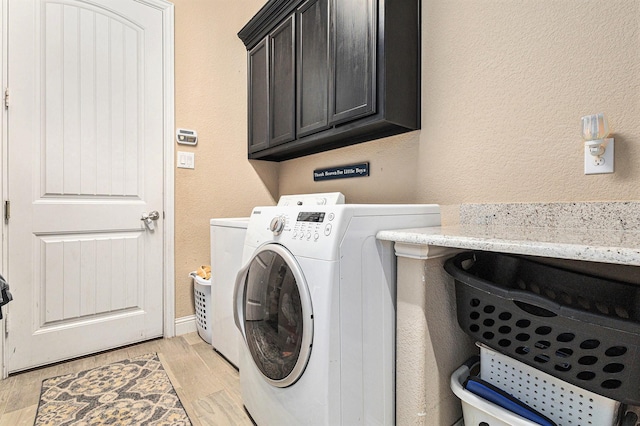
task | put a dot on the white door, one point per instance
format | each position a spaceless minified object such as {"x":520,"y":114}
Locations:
{"x":85,"y":155}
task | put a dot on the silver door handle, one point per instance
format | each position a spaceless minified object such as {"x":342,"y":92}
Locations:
{"x":154,"y":215}
{"x":148,"y":219}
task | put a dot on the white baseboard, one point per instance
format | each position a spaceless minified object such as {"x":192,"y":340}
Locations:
{"x":185,"y":325}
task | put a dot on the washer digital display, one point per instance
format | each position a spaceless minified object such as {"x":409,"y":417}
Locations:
{"x":311,"y":217}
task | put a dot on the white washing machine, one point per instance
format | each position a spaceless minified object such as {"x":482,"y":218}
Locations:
{"x":227,"y":243}
{"x":315,"y":304}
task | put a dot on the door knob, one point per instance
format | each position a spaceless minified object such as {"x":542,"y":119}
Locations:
{"x":148,"y":219}
{"x":154,"y":215}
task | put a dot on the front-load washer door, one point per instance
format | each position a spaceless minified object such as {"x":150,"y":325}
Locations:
{"x":276,"y":316}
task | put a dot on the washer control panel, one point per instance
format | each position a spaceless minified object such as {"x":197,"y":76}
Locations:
{"x":307,"y":226}
{"x":314,"y":228}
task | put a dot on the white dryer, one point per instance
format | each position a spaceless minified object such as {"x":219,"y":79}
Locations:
{"x":315,"y":304}
{"x":227,"y":244}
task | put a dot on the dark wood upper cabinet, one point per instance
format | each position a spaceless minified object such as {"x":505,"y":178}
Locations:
{"x":334,"y":73}
{"x":313,"y":67}
{"x":282,"y":73}
{"x":258,"y":69}
{"x":353,"y":59}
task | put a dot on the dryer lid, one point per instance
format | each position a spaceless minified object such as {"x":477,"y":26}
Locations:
{"x":319,"y":199}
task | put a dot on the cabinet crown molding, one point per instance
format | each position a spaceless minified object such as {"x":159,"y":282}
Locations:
{"x":266,"y":19}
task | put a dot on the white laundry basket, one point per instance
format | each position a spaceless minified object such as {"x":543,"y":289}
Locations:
{"x":478,"y":411}
{"x":561,"y":402}
{"x":202,"y":299}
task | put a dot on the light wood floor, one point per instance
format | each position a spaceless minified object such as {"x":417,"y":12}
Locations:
{"x":206,"y":383}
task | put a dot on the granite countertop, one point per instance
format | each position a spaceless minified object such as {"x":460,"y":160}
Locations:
{"x":595,"y":232}
{"x":622,"y":247}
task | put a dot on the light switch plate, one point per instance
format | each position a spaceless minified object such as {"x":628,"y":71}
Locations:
{"x":186,"y":160}
{"x":596,"y":165}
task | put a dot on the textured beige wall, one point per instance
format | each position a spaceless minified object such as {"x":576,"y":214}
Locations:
{"x":429,"y":344}
{"x":392,"y":166}
{"x":211,"y":98}
{"x":504,"y":85}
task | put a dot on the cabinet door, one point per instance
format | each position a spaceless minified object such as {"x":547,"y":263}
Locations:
{"x":353,"y":59}
{"x":258,"y":70}
{"x":282,"y":122}
{"x":313,"y":71}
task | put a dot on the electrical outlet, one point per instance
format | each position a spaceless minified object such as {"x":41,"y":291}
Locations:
{"x":596,"y":165}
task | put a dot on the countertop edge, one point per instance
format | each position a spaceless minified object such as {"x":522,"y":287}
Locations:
{"x":514,"y":240}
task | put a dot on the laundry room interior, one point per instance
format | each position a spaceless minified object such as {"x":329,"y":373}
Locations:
{"x":501,"y":107}
{"x":499,"y":159}
{"x":500,"y":121}
{"x":504,"y":85}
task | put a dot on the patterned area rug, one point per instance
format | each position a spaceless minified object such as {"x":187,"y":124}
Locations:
{"x":135,"y":391}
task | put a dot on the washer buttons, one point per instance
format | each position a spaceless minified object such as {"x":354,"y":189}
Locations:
{"x":308,"y":235}
{"x":331,"y":216}
{"x":327,"y":229}
{"x":316,"y":236}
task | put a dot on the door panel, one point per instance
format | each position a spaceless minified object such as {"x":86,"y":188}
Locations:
{"x":92,"y":103}
{"x":86,"y":275}
{"x":85,"y":151}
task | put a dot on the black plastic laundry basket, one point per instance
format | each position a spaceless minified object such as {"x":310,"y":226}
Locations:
{"x":582,"y":329}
